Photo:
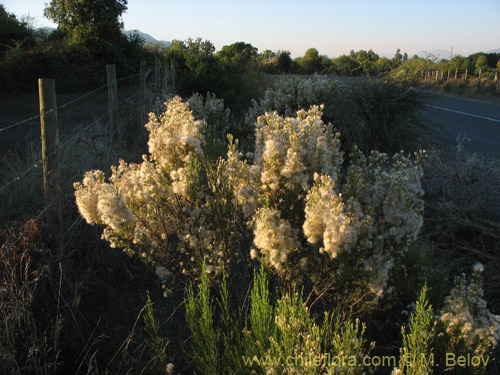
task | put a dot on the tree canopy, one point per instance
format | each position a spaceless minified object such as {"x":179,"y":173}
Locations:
{"x":239,"y":54}
{"x":88,"y":22}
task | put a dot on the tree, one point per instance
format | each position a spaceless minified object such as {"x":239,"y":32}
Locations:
{"x":398,"y":58}
{"x":312,"y":62}
{"x":13,"y":33}
{"x":197,"y":68}
{"x":267,"y":61}
{"x":284,"y":62}
{"x":481,"y":64}
{"x":366,"y":60}
{"x":239,"y":54}
{"x":346,"y":66}
{"x":89,"y":22}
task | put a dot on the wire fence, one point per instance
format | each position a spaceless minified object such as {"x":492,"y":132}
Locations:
{"x":462,"y":75}
{"x":83,"y":145}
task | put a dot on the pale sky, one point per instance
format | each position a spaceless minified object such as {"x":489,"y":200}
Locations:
{"x":334,"y":27}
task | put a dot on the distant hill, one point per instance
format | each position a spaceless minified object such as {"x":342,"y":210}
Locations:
{"x":494,"y":51}
{"x":44,"y":31}
{"x":438,"y":53}
{"x":147,"y":38}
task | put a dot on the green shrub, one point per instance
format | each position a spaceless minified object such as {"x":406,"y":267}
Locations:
{"x":280,"y":337}
{"x":417,"y":356}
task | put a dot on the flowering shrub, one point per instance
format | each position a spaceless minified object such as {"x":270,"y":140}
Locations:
{"x":177,"y":208}
{"x":168,"y":208}
{"x":467,"y":328}
{"x":471,"y":327}
{"x":307,"y":222}
{"x":291,"y":94}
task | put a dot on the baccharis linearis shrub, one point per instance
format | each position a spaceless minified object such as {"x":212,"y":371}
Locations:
{"x":178,"y":208}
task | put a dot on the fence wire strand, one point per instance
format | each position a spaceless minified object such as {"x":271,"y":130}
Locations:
{"x":65,"y":104}
{"x":62,"y":145}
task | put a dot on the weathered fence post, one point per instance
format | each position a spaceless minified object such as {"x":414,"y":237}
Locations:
{"x":50,"y":162}
{"x":112,"y":104}
{"x":157,"y":78}
{"x":456,"y":74}
{"x":466,"y":73}
{"x":142,"y":88}
{"x":172,"y":70}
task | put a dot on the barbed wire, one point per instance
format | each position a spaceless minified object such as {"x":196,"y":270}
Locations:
{"x":61,"y":145}
{"x":128,"y":77}
{"x":68,"y":181}
{"x":19,"y":123}
{"x":68,"y":103}
{"x":35,"y":165}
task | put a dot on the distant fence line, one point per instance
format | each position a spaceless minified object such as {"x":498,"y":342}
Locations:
{"x":50,"y":138}
{"x":458,"y":75}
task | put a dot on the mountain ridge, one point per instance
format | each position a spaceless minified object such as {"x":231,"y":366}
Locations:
{"x":147,"y":37}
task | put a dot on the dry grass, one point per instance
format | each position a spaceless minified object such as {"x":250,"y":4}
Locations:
{"x":462,"y":219}
{"x":30,"y":329}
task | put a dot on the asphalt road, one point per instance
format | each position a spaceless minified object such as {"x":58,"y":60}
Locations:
{"x":478,"y":121}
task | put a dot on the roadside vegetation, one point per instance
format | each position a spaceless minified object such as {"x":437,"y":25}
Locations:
{"x":266,"y":225}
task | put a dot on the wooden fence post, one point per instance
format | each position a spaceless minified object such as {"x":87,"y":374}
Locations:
{"x":456,"y":74}
{"x":112,"y":104}
{"x":172,"y":70}
{"x":466,"y":73}
{"x":157,"y":78}
{"x":142,"y":88}
{"x":50,"y":142}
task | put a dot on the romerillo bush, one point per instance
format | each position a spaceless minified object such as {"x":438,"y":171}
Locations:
{"x":311,"y":221}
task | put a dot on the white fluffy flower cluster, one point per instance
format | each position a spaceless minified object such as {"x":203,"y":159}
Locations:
{"x":291,"y":94}
{"x":327,"y":220}
{"x":143,"y":204}
{"x":275,"y":237}
{"x":175,"y":138}
{"x":467,"y":318}
{"x":100,"y":203}
{"x":290,"y":150}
